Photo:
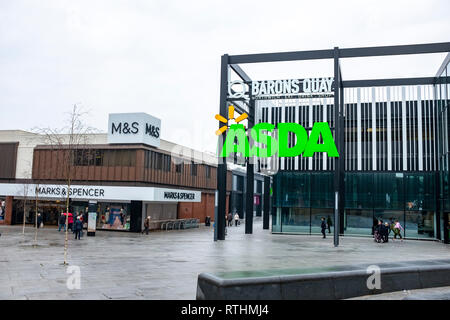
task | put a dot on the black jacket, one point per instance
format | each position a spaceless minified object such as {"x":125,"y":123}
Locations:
{"x":323,"y":225}
{"x":78,"y":225}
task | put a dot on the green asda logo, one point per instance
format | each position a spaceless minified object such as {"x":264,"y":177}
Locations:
{"x":267,"y":144}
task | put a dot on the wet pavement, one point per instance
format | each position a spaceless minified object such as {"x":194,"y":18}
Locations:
{"x":165,"y":265}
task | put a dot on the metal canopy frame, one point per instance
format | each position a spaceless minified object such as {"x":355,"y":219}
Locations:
{"x":233,"y":62}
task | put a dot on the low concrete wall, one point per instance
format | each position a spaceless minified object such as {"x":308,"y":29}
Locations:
{"x":321,"y":286}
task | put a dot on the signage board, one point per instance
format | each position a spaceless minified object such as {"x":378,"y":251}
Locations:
{"x":52,"y":191}
{"x":134,"y":128}
{"x":279,"y":89}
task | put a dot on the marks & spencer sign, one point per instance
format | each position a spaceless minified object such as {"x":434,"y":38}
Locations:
{"x":134,"y":128}
{"x":83,"y":192}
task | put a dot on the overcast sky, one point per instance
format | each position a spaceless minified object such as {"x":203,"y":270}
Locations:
{"x":163,"y":57}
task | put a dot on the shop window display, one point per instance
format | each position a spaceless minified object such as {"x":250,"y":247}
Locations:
{"x":2,"y":209}
{"x":115,"y":216}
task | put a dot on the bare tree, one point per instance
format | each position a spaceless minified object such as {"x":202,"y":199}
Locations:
{"x":36,"y":212}
{"x":69,"y":141}
{"x":25,"y":193}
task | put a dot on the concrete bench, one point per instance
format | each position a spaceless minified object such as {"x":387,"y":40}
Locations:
{"x":325,"y":285}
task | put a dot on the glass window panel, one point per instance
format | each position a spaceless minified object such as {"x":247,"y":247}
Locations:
{"x":296,"y":220}
{"x":420,"y":224}
{"x":358,"y":222}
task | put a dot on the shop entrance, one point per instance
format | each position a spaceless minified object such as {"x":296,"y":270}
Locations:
{"x":50,"y":211}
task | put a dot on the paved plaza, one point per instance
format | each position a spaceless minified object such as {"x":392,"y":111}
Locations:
{"x":165,"y":265}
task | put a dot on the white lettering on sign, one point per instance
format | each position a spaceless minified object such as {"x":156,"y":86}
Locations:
{"x":134,"y":128}
{"x":267,"y":89}
{"x":123,"y":193}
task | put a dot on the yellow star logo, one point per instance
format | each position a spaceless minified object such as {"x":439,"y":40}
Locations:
{"x":222,"y":129}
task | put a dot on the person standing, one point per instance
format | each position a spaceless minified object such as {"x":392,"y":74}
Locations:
{"x":62,"y":221}
{"x":398,"y":230}
{"x":146,"y":225}
{"x":329,"y":224}
{"x":230,"y":219}
{"x":323,"y":226}
{"x":78,"y":227}
{"x":386,"y":232}
{"x":39,"y":220}
{"x":236,"y":219}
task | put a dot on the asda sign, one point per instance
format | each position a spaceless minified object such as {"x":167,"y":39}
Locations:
{"x":270,"y":141}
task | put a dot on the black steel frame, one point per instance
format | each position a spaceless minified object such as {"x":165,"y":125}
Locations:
{"x":336,"y":53}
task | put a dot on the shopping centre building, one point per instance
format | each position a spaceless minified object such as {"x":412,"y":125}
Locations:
{"x":126,"y":174}
{"x":392,"y":137}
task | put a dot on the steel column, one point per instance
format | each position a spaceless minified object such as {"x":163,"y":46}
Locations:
{"x":266,"y":202}
{"x":337,"y":161}
{"x":222,"y":164}
{"x":250,"y":177}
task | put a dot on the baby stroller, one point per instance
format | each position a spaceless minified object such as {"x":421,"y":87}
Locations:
{"x":377,"y":237}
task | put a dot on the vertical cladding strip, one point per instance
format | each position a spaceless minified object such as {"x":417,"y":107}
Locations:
{"x":374,"y":131}
{"x":283,"y":120}
{"x":324,"y":162}
{"x":436,"y":133}
{"x":419,"y":127}
{"x":431,"y":136}
{"x":427,"y":128}
{"x":310,"y":124}
{"x":358,"y":129}
{"x":347,"y":132}
{"x":413,"y":127}
{"x":300,"y":119}
{"x":389,"y":129}
{"x":393,"y":116}
{"x":295,"y":120}
{"x":405,"y":160}
{"x":363,"y":130}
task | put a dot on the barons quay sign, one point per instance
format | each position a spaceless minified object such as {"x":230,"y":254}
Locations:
{"x":134,"y":128}
{"x":275,"y":89}
{"x":267,"y":145}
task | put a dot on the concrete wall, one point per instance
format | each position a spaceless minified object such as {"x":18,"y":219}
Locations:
{"x":323,"y":286}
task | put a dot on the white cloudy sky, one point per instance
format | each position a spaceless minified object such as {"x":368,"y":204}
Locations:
{"x":163,"y":56}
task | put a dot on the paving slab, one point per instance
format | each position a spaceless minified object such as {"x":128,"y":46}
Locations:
{"x":166,"y":265}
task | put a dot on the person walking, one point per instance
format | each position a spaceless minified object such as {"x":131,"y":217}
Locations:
{"x":146,"y":225}
{"x":70,"y":221}
{"x":384,"y":231}
{"x":323,"y":226}
{"x":398,"y":230}
{"x":62,"y":222}
{"x":236,"y":219}
{"x":39,"y":220}
{"x":78,"y":227}
{"x":329,"y":223}
{"x":82,"y":222}
{"x":230,"y":219}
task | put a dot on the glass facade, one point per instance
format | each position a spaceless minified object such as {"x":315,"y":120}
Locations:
{"x":442,"y":94}
{"x":395,"y":154}
{"x":302,"y":199}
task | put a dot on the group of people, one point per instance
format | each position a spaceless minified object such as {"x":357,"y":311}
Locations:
{"x":75,"y":225}
{"x":229,"y":217}
{"x":382,"y":230}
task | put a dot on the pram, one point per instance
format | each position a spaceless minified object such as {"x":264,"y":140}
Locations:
{"x":377,"y":237}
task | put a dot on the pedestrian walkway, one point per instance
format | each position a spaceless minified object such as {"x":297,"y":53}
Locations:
{"x":165,"y":265}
